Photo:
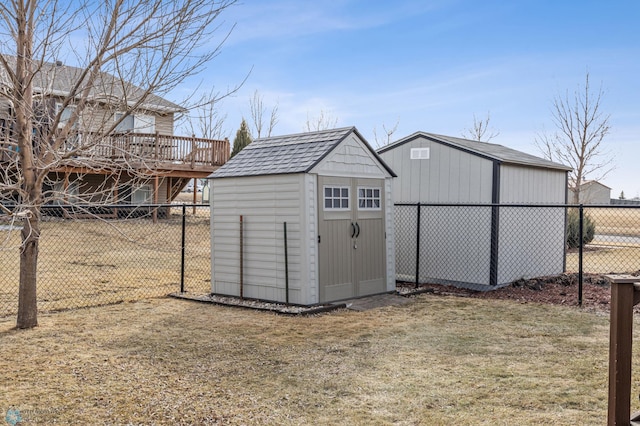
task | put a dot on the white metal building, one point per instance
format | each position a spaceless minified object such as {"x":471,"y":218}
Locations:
{"x":477,"y":246}
{"x":334,"y":194}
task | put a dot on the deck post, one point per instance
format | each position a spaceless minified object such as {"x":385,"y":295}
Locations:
{"x":155,"y":199}
{"x":193,"y":151}
{"x":157,"y":147}
{"x":625,"y":293}
{"x":195,"y":194}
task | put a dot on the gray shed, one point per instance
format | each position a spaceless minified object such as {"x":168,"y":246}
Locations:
{"x":334,"y":193}
{"x":477,"y":246}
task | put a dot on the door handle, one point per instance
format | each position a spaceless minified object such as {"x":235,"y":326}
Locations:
{"x":353,"y":230}
{"x":358,"y":232}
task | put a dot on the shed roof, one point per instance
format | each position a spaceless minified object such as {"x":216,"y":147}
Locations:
{"x":296,"y":153}
{"x":484,"y":149}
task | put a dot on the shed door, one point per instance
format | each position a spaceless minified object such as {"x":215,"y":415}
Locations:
{"x":352,"y":253}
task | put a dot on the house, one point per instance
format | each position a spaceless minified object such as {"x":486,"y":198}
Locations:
{"x":481,"y":246}
{"x":304,"y":218}
{"x":138,"y":161}
{"x":591,"y":192}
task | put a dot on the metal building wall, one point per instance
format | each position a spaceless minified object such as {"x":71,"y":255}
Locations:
{"x":543,"y":232}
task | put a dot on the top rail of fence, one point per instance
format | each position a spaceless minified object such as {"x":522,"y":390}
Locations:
{"x":519,"y":205}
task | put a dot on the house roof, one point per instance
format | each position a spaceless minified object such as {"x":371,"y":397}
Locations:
{"x":57,"y":80}
{"x":487,"y":150}
{"x":296,"y":153}
{"x":587,"y":183}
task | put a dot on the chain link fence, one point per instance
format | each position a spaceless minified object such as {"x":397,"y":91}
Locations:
{"x":92,"y":256}
{"x":484,"y":246}
{"x":124,"y":253}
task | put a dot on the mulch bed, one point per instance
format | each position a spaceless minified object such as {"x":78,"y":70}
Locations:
{"x":556,"y":290}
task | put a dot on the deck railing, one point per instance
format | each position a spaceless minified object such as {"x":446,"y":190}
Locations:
{"x":172,"y":149}
{"x":156,"y":148}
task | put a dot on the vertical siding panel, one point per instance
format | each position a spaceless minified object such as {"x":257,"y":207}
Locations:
{"x":265,"y":202}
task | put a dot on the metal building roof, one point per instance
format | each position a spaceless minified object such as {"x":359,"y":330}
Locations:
{"x":297,"y":153}
{"x":484,"y":149}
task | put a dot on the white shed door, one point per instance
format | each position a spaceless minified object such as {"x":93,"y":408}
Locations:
{"x":351,"y":237}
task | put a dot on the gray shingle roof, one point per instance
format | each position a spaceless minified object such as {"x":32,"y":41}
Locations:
{"x":297,"y":153}
{"x":484,"y":149}
{"x":57,"y":80}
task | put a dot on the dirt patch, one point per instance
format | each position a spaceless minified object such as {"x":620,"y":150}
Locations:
{"x":556,"y":290}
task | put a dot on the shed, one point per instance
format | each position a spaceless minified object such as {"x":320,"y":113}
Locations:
{"x":484,"y":245}
{"x":334,"y":194}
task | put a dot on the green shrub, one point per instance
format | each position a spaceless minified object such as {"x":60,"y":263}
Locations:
{"x":573,"y":228}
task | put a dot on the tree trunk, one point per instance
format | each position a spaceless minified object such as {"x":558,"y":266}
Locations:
{"x":27,"y":298}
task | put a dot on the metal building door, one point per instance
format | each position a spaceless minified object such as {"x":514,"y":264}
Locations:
{"x":352,"y":254}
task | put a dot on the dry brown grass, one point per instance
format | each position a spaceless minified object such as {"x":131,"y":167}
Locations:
{"x":616,"y":221}
{"x":611,"y":256}
{"x":91,"y":262}
{"x":606,"y":260}
{"x":438,"y":361}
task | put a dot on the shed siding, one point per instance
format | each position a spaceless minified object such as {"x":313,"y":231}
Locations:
{"x":265,"y":202}
{"x":531,"y":240}
{"x":352,"y":159}
{"x":449,"y":175}
{"x":390,"y":235}
{"x":531,"y":185}
{"x":531,"y":243}
{"x":310,"y":291}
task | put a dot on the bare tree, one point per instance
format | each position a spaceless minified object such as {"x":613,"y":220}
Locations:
{"x":206,"y":120}
{"x":258,"y":110}
{"x":388,"y":134}
{"x":578,"y":141}
{"x":480,"y":130}
{"x":124,"y":53}
{"x":323,"y":121}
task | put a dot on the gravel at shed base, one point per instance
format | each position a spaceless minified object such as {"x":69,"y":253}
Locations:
{"x":280,"y":308}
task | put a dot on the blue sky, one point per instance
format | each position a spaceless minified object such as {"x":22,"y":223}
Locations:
{"x":432,"y":65}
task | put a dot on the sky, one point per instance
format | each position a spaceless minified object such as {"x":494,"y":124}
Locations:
{"x":432,"y":65}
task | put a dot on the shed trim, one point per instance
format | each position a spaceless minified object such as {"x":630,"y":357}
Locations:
{"x":495,"y":226}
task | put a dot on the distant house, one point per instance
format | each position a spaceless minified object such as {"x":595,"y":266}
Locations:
{"x":591,"y":192}
{"x":334,"y":194}
{"x":476,"y":246}
{"x":143,"y":141}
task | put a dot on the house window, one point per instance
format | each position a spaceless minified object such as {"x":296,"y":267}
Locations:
{"x":369,"y":198}
{"x":141,"y":194}
{"x":66,"y":114}
{"x":138,"y":123}
{"x":70,"y":196}
{"x":336,"y":198}
{"x":419,"y":153}
{"x":144,"y":123}
{"x":126,"y":125}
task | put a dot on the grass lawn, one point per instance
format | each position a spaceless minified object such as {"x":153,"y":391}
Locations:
{"x":91,"y":262}
{"x":437,"y":361}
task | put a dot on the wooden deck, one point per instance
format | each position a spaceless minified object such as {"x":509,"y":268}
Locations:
{"x":167,"y":152}
{"x":180,"y":154}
